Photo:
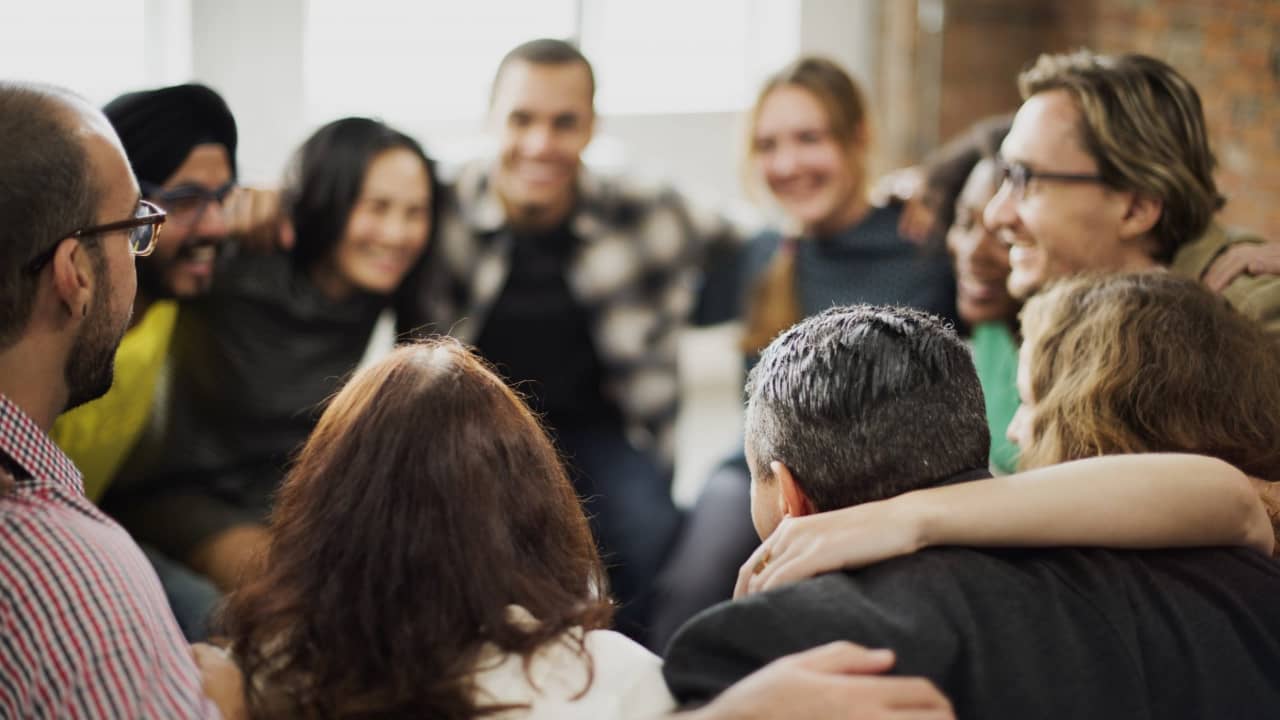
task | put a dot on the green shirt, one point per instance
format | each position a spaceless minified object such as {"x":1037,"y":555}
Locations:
{"x":995,"y":355}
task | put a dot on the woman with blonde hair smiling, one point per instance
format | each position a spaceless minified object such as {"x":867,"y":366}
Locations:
{"x":1110,"y":366}
{"x":807,"y":152}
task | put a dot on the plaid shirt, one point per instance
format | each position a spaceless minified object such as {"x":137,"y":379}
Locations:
{"x":85,"y":631}
{"x":636,"y":270}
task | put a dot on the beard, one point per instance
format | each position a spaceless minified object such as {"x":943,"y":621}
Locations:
{"x":155,"y":279}
{"x":91,"y":367}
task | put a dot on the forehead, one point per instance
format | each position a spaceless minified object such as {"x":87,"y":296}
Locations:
{"x":116,"y":185}
{"x":980,"y":186}
{"x":1046,"y":132}
{"x":397,"y":172}
{"x":788,"y":107}
{"x":530,"y":87}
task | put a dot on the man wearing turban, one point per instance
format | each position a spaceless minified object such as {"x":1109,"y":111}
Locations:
{"x":181,"y":142}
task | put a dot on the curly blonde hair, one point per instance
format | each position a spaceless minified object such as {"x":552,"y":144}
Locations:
{"x":1149,"y":362}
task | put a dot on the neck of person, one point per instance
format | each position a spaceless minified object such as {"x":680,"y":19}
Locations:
{"x":850,"y":213}
{"x":330,"y":282}
{"x":31,"y":382}
{"x":1138,"y":261}
{"x":533,"y":219}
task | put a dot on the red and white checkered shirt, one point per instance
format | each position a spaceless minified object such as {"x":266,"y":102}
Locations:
{"x":85,"y":631}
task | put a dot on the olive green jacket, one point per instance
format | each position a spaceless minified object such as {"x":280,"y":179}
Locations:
{"x":1257,"y":296}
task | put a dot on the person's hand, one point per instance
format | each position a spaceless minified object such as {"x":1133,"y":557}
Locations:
{"x":852,"y":537}
{"x":233,"y":556}
{"x":830,"y":681}
{"x":907,"y":186}
{"x":254,"y":219}
{"x":1251,"y":258}
{"x":222,"y":681}
{"x":7,"y":482}
{"x":1270,"y":494}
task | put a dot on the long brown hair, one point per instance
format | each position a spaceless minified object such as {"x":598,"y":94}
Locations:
{"x":426,"y":501}
{"x":1149,"y":362}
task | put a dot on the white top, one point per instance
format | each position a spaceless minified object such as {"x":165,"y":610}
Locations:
{"x":627,"y":682}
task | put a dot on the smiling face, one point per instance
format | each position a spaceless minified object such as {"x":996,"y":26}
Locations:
{"x":182,"y":264}
{"x":544,"y":120}
{"x":387,"y":229}
{"x":981,"y":260}
{"x":806,"y":168}
{"x":1058,"y":229}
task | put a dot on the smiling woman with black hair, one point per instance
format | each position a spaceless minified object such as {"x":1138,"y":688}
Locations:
{"x":253,"y":360}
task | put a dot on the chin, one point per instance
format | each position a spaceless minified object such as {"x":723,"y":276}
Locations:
{"x":1020,"y":290}
{"x":381,"y":286}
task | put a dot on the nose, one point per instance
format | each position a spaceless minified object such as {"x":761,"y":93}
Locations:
{"x":212,"y":222}
{"x":536,"y":141}
{"x":399,"y":230}
{"x":987,"y":250}
{"x":1001,"y":211}
{"x":781,"y":163}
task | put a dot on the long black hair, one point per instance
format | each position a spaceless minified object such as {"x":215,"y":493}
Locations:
{"x":326,"y":176}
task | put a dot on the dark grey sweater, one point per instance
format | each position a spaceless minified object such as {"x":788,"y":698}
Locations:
{"x":1090,"y":634}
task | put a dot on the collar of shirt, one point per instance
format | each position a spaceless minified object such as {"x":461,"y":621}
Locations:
{"x":33,"y":452}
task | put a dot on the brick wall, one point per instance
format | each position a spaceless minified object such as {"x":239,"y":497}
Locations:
{"x":1230,"y":50}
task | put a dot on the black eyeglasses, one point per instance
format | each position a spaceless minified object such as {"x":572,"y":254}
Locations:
{"x":1018,"y":176}
{"x":143,"y":227}
{"x":186,"y":203}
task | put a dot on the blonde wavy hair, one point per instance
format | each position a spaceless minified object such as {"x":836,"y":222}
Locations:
{"x":1149,"y":362}
{"x":1144,"y":125}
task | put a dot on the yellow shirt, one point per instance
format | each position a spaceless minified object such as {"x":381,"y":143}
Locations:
{"x":99,"y":435}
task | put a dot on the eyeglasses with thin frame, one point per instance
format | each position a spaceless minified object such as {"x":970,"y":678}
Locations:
{"x":143,"y":227}
{"x":186,"y":204}
{"x":1017,"y":176}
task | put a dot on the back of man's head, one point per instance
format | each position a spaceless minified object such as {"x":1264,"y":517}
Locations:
{"x":1143,"y":123}
{"x":866,"y":402}
{"x":46,"y":190}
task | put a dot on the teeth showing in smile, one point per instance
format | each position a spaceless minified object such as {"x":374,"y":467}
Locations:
{"x":201,"y":253}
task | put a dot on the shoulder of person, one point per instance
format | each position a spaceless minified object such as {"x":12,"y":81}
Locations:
{"x":900,"y":604}
{"x":1257,"y":296}
{"x":1193,"y":258}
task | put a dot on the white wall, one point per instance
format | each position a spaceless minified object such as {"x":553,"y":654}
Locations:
{"x":253,"y":52}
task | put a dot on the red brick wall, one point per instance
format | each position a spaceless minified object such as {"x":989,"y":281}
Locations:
{"x":1230,"y":50}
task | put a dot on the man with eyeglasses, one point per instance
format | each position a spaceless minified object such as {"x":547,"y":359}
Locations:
{"x":1108,"y":168}
{"x":181,"y":144}
{"x":86,"y":630}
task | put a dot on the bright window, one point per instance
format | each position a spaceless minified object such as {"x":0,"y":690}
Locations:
{"x":409,"y":60}
{"x":678,"y":56}
{"x":98,"y":49}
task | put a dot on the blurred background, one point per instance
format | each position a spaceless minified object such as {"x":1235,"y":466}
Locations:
{"x":674,"y":77}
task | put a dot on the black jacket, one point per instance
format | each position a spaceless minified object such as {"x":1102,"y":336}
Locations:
{"x":1088,"y":634}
